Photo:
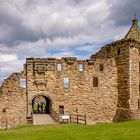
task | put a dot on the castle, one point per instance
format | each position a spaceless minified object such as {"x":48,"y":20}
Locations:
{"x":105,"y":87}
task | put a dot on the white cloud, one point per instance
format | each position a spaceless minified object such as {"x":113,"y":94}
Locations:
{"x":9,"y":67}
{"x":63,"y":54}
{"x":89,"y":48}
{"x":7,"y":57}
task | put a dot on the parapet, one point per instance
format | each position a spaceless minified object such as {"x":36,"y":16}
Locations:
{"x":70,"y":60}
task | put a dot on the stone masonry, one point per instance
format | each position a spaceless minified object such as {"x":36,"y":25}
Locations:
{"x":105,"y":87}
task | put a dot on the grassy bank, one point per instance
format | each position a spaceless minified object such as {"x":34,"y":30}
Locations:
{"x":116,"y":131}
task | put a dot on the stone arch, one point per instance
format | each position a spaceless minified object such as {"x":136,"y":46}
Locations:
{"x":30,"y":101}
{"x":41,"y":104}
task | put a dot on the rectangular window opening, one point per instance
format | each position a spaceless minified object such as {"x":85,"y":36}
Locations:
{"x":61,"y":109}
{"x":22,"y":83}
{"x":66,"y":82}
{"x":118,"y":51}
{"x":101,"y":67}
{"x":59,"y":67}
{"x":95,"y":81}
{"x":81,"y":67}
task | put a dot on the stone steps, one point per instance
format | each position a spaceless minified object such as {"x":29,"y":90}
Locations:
{"x":42,"y":119}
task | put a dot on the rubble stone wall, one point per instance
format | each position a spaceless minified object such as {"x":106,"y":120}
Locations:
{"x":98,"y":103}
{"x":12,"y":102}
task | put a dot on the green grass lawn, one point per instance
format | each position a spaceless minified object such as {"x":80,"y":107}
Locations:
{"x":35,"y":108}
{"x":116,"y":131}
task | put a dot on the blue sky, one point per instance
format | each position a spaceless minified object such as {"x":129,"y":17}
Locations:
{"x":50,"y":28}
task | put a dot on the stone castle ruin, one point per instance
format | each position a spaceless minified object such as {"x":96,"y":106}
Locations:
{"x":105,"y":87}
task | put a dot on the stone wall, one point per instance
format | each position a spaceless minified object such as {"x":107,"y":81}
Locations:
{"x":98,"y":103}
{"x":126,"y":55}
{"x":134,"y":68}
{"x":12,"y":102}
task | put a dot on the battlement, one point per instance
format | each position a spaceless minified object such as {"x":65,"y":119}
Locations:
{"x":68,"y":60}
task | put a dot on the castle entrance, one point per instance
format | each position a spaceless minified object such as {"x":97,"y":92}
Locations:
{"x":41,"y":105}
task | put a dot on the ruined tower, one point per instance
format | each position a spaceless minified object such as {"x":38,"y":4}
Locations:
{"x":128,"y":66}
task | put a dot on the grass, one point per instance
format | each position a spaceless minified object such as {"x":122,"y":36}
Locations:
{"x":35,"y":107}
{"x":116,"y":131}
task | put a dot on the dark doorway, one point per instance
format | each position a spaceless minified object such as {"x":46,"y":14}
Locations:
{"x":61,"y":109}
{"x":41,"y":105}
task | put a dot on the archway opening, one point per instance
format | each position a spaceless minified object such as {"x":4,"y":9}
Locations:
{"x":41,"y":105}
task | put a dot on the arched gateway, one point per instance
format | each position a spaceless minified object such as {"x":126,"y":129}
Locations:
{"x":41,"y":104}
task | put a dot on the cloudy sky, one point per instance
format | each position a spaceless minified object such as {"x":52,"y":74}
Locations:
{"x":58,"y":28}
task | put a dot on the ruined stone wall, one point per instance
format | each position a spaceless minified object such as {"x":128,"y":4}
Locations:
{"x":98,"y":103}
{"x":12,"y":102}
{"x":126,"y":55}
{"x":119,"y":50}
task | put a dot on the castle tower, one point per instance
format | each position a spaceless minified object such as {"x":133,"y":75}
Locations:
{"x":126,"y":53}
{"x":128,"y":67}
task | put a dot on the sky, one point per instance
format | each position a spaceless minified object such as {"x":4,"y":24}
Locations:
{"x":59,"y":28}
